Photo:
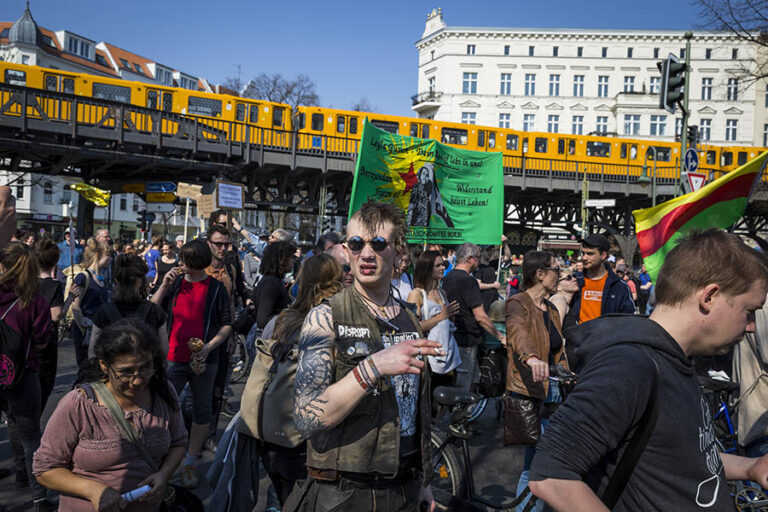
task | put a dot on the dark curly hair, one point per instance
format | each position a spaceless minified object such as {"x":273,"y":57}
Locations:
{"x":130,"y":281}
{"x":276,"y":255}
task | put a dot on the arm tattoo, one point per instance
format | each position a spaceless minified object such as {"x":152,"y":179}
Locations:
{"x":314,"y":371}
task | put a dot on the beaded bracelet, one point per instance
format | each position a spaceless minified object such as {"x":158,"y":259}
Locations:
{"x":359,"y":379}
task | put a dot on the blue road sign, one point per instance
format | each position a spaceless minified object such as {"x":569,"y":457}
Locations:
{"x":691,"y":161}
{"x":160,"y":186}
{"x":150,"y":217}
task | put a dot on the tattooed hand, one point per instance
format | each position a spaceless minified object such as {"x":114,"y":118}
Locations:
{"x":405,"y":357}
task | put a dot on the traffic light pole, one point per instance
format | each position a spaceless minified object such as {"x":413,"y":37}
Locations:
{"x":684,"y":108}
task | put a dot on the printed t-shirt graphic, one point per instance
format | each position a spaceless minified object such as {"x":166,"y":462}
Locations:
{"x":592,"y":298}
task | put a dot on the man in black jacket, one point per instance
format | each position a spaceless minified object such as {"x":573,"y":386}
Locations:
{"x":639,"y":389}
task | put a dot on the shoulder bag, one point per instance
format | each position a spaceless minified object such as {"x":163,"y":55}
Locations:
{"x":175,"y":498}
{"x":14,"y":350}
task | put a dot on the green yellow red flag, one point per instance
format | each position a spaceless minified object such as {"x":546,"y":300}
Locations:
{"x":93,"y":194}
{"x":716,"y":205}
{"x":448,"y":195}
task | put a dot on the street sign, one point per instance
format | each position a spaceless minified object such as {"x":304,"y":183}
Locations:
{"x":160,"y":197}
{"x":188,"y":190}
{"x":691,"y":160}
{"x":133,"y":188}
{"x":229,"y":195}
{"x":696,"y":180}
{"x":160,"y":208}
{"x":160,"y":186}
{"x":600,"y":203}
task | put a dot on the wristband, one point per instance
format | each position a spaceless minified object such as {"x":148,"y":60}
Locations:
{"x":364,"y":373}
{"x":375,"y":370}
{"x":359,"y":379}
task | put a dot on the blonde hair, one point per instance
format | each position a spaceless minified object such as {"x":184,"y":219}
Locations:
{"x":21,"y":269}
{"x":94,"y":251}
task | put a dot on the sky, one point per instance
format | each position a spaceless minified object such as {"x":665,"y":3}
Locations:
{"x":351,"y":49}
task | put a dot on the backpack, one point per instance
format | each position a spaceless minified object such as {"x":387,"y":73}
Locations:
{"x":13,"y":353}
{"x":266,"y":408}
{"x":114,"y":315}
{"x":71,"y":273}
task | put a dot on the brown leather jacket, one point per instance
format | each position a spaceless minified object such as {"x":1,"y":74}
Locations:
{"x":527,"y":336}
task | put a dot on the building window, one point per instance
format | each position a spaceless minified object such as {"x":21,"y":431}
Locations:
{"x":469,"y":117}
{"x":504,"y":120}
{"x":656,"y":53}
{"x":469,"y":83}
{"x":553,"y":123}
{"x":602,"y":86}
{"x":765,"y":135}
{"x":431,"y":84}
{"x":682,"y":53}
{"x":135,"y":203}
{"x":658,"y":125}
{"x":630,"y":51}
{"x":655,"y":84}
{"x":629,"y":84}
{"x":25,"y":59}
{"x":530,"y":51}
{"x":123,"y":203}
{"x":48,"y":193}
{"x":766,"y":95}
{"x":555,"y":51}
{"x":735,"y":54}
{"x":470,"y":49}
{"x":528,"y":120}
{"x":731,"y":125}
{"x":678,"y":127}
{"x":705,"y":130}
{"x":79,"y":47}
{"x":506,"y":84}
{"x":602,"y":124}
{"x":163,"y":76}
{"x":530,"y":84}
{"x":604,"y":52}
{"x":580,"y":51}
{"x":577,"y":125}
{"x":554,"y":85}
{"x":20,"y":190}
{"x":578,"y":85}
{"x":432,"y":55}
{"x":708,"y":53}
{"x":631,"y":124}
{"x":733,"y":89}
{"x":706,"y":88}
{"x":506,"y":49}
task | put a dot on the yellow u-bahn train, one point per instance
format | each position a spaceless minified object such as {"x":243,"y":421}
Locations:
{"x":339,"y":131}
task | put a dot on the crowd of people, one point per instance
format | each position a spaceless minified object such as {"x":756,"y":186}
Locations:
{"x":348,"y":342}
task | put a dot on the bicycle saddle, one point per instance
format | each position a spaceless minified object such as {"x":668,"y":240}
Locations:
{"x":445,"y":395}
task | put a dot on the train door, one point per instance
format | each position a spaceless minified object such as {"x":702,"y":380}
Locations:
{"x":420,"y":130}
{"x":486,"y":140}
{"x":566,"y":147}
{"x":156,"y":100}
{"x":58,"y":108}
{"x":628,"y":154}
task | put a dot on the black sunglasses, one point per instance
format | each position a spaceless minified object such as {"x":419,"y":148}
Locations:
{"x":567,"y":277}
{"x":378,"y":243}
{"x":220,"y":244}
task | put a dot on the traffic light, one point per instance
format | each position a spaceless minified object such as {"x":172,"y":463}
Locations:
{"x":693,"y":136}
{"x":672,"y":82}
{"x":142,"y":220}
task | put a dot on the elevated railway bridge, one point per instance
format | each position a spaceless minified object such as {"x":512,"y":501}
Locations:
{"x":109,"y":144}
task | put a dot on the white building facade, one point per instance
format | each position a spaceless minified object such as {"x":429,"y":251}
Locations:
{"x":587,"y":81}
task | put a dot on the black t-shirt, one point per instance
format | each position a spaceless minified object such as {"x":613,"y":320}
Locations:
{"x":154,"y":318}
{"x":270,"y":297}
{"x":487,"y":275}
{"x":555,"y":340}
{"x":463,"y":288}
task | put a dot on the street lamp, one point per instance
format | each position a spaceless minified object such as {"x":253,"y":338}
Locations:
{"x":644,"y":179}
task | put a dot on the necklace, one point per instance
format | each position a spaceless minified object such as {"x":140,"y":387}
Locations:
{"x":372,"y":304}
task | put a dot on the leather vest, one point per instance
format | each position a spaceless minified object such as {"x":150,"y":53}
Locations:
{"x":368,"y":439}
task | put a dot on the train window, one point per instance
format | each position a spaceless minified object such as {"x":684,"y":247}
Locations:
{"x":341,"y":124}
{"x":112,"y":92}
{"x":454,"y":136}
{"x":491,"y":140}
{"x":277,"y":117}
{"x":167,"y":101}
{"x":525,"y":146}
{"x":726,"y":158}
{"x":481,"y":138}
{"x":240,"y":112}
{"x":512,"y":142}
{"x":204,"y":106}
{"x":623,"y":151}
{"x":711,"y":157}
{"x":601,"y":149}
{"x":387,"y":126}
{"x":425,"y":131}
{"x":152,"y":99}
{"x":662,"y":154}
{"x":317,"y":122}
{"x":742,"y":159}
{"x":540,"y":145}
{"x":14,"y":77}
{"x":352,"y":125}
{"x":300,"y":120}
{"x":571,"y":146}
{"x":253,"y":114}
{"x":51,"y":83}
{"x":414,"y":130}
{"x":68,"y":85}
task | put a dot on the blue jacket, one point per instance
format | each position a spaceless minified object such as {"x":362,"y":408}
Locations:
{"x":64,"y":255}
{"x":616,"y":297}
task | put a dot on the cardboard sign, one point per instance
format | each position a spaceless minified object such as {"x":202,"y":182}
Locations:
{"x":188,"y":190}
{"x":206,"y":205}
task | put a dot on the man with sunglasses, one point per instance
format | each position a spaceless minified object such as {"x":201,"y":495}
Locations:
{"x":339,"y":253}
{"x":362,"y":386}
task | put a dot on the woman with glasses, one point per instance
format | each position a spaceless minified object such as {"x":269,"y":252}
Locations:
{"x":83,"y":453}
{"x":567,"y":286}
{"x":534,"y":343}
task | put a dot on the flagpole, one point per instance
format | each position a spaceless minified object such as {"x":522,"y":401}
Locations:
{"x":751,"y":190}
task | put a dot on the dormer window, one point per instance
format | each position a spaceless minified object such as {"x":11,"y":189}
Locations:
{"x":79,"y":47}
{"x":138,"y":68}
{"x":164,"y":76}
{"x":101,"y":60}
{"x":126,"y":64}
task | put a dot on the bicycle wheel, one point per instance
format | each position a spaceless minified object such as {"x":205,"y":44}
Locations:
{"x":447,"y":472}
{"x":477,"y":410}
{"x":239,"y":360}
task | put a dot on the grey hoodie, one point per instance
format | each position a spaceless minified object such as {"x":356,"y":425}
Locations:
{"x":680,"y":468}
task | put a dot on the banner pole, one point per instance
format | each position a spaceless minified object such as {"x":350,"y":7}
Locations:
{"x":186,"y":220}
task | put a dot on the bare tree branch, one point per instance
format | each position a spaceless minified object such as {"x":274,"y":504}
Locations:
{"x":275,"y":87}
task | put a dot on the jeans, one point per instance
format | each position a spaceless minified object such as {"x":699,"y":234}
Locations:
{"x":345,"y":497}
{"x":553,"y":397}
{"x":468,"y":372}
{"x":24,"y":406}
{"x":200,"y":386}
{"x":219,"y":384}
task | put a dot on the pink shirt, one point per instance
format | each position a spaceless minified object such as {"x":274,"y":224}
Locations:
{"x":82,"y":436}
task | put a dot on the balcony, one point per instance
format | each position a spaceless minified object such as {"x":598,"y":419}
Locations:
{"x":426,"y":101}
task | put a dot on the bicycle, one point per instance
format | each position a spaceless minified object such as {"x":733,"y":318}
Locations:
{"x":240,"y":360}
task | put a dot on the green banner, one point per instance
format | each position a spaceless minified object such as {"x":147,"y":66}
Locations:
{"x":449,"y":196}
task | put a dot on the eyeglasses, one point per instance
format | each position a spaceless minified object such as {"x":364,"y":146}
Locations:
{"x":555,"y":269}
{"x":129,"y":375}
{"x":377,"y":243}
{"x":567,"y":277}
{"x":220,"y":244}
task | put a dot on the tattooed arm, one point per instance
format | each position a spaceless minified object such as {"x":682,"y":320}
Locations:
{"x":319,"y":405}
